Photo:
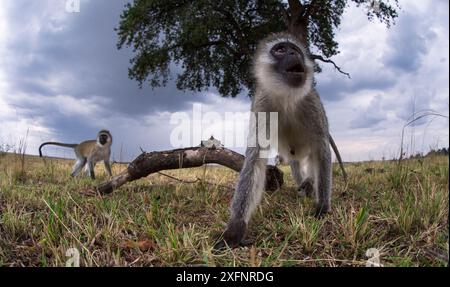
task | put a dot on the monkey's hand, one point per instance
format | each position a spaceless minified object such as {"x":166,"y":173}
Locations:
{"x":233,"y":235}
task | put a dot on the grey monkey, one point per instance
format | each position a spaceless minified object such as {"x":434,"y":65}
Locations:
{"x":284,"y":74}
{"x":89,"y":152}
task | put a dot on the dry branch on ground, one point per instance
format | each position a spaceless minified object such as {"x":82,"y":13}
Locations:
{"x":151,"y":162}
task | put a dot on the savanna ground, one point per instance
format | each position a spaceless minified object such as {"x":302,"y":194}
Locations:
{"x":158,"y":221}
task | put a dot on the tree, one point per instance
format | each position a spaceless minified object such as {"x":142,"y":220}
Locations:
{"x":212,"y":42}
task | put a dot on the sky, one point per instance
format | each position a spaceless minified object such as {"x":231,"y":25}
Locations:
{"x":62,"y":78}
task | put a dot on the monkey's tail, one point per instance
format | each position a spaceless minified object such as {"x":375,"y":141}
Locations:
{"x":56,"y":143}
{"x":338,"y":156}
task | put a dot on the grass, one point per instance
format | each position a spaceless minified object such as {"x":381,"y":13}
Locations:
{"x":157,"y":221}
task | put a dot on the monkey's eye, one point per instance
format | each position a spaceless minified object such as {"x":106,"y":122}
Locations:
{"x":280,"y":50}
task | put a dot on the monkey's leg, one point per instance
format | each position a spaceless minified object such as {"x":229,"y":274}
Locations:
{"x":91,"y":166}
{"x":78,"y":166}
{"x":107,"y":167}
{"x":307,"y":172}
{"x":322,"y":180}
{"x":295,"y":170}
{"x":248,"y":194}
{"x":302,"y":177}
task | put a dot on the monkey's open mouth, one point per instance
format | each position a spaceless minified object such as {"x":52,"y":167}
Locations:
{"x":295,"y":70}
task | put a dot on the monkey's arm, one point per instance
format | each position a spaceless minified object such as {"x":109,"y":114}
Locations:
{"x":90,"y":167}
{"x":322,"y":162}
{"x":248,"y":193}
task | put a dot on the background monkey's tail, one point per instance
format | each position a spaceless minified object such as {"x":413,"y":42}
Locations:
{"x":338,"y":156}
{"x":56,"y":143}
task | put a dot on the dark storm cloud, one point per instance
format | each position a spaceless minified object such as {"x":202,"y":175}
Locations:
{"x":85,"y":52}
{"x":340,"y":86}
{"x":72,"y":124}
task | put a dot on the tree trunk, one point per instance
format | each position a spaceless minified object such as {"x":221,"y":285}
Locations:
{"x":151,"y":162}
{"x":297,"y":22}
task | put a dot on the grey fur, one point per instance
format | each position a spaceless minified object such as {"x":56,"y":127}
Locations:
{"x":295,"y":170}
{"x":303,"y":137}
{"x":88,"y":153}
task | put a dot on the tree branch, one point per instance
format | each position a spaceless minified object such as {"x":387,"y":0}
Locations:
{"x":286,"y":18}
{"x":298,"y":21}
{"x":240,"y":35}
{"x":152,"y":162}
{"x":320,"y":58}
{"x":198,"y":46}
{"x":296,"y":6}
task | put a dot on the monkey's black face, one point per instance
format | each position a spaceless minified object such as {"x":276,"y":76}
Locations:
{"x":103,"y":139}
{"x":290,"y":63}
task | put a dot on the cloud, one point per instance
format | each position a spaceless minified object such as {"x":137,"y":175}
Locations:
{"x":80,"y":59}
{"x":339,"y":87}
{"x":371,"y":116}
{"x":408,"y":43}
{"x":62,"y":78}
{"x":367,"y":113}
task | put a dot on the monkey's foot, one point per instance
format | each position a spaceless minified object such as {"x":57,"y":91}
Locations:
{"x":222,"y":244}
{"x":233,"y":235}
{"x":321,"y":211}
{"x":306,"y":188}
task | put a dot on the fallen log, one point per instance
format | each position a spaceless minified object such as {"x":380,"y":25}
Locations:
{"x":151,"y":162}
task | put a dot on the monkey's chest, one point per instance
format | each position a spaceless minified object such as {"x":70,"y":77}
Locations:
{"x":294,"y":140}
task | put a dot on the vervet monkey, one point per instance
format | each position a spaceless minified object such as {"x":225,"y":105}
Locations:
{"x":89,"y":153}
{"x":284,"y":74}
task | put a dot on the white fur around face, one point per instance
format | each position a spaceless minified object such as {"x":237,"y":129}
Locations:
{"x":274,"y":85}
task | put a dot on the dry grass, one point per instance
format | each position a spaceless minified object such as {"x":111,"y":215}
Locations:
{"x":157,"y":221}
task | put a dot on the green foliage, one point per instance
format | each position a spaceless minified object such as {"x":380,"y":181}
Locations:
{"x":210,"y":43}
